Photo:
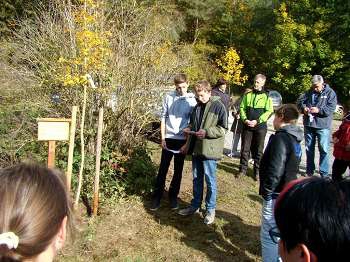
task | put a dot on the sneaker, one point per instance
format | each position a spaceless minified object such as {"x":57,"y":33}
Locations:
{"x":155,"y":205}
{"x":173,"y":204}
{"x":209,"y":217}
{"x":234,"y":154}
{"x":188,"y":211}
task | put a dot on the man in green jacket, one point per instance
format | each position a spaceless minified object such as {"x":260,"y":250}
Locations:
{"x":208,"y":126}
{"x":255,"y":109}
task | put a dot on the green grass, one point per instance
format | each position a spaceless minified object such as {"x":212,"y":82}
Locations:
{"x":128,"y":231}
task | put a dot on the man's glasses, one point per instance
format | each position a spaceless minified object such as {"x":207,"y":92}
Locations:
{"x":274,"y":235}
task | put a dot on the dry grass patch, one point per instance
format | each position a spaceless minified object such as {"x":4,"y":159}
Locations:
{"x":128,"y":231}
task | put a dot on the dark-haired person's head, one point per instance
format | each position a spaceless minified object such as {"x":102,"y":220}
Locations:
{"x":313,"y":217}
{"x":221,"y":84}
{"x":286,"y":114}
{"x":35,"y":213}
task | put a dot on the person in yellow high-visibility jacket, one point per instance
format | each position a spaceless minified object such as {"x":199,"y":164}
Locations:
{"x":255,"y":109}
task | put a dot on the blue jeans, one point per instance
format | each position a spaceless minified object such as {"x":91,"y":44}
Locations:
{"x":323,"y":138}
{"x":204,"y":168}
{"x":269,"y":249}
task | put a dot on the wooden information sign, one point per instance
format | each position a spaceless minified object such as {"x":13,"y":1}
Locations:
{"x":52,"y":130}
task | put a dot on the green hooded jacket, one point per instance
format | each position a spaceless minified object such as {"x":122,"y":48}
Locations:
{"x":256,"y":105}
{"x":214,"y":122}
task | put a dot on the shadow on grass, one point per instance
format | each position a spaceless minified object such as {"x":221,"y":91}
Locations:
{"x":229,"y":166}
{"x":233,"y":168}
{"x":255,"y":198}
{"x":228,"y":239}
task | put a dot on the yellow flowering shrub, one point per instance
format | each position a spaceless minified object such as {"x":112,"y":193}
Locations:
{"x":231,"y":67}
{"x":92,"y":46}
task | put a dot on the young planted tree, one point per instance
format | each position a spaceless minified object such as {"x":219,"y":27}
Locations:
{"x":89,"y":59}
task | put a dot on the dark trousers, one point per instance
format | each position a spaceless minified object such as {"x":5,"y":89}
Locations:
{"x":179,"y":159}
{"x":338,"y":169}
{"x":252,"y":141}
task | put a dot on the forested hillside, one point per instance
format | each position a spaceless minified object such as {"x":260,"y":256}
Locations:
{"x":286,"y":40}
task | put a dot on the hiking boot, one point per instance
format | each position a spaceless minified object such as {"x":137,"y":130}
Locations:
{"x":236,"y":154}
{"x":173,"y":204}
{"x":188,"y":211}
{"x":209,"y":217}
{"x":155,"y":205}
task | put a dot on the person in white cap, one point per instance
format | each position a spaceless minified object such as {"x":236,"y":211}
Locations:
{"x":317,"y":105}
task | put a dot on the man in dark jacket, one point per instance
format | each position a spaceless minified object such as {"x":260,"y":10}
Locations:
{"x":220,"y":91}
{"x":318,"y":105}
{"x":279,"y":165}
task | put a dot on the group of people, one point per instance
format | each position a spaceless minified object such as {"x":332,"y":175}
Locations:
{"x":198,"y":129}
{"x":302,"y":219}
{"x":317,"y":106}
{"x":194,"y":125}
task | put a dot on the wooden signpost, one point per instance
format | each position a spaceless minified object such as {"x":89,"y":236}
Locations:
{"x":63,"y":129}
{"x":52,"y":130}
{"x":58,"y":129}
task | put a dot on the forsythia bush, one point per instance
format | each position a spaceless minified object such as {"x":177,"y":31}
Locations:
{"x":231,"y":68}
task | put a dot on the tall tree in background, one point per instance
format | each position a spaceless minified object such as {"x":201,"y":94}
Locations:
{"x":247,"y":25}
{"x":302,"y":47}
{"x":338,"y":35}
{"x":200,"y":15}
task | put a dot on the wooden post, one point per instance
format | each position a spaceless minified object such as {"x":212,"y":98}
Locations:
{"x":51,"y":157}
{"x":71,"y":146}
{"x":98,"y":160}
